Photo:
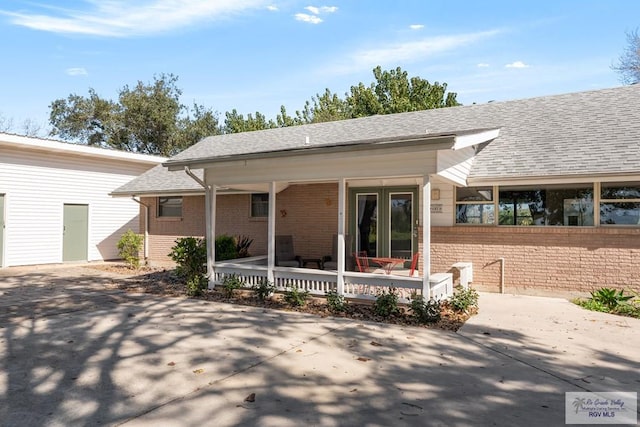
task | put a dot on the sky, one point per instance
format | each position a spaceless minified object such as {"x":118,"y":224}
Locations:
{"x":255,"y":55}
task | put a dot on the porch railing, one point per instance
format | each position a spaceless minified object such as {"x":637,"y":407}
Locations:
{"x":318,"y":282}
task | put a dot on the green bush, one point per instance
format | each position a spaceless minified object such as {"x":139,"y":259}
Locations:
{"x":190,"y":255}
{"x":463,"y":300}
{"x":226,"y":248}
{"x":336,"y":302}
{"x":230,"y":284}
{"x":386,"y":303}
{"x":295,"y":296}
{"x":196,"y":285}
{"x":129,"y":247}
{"x":610,"y":298}
{"x":425,"y":311}
{"x":263,"y":289}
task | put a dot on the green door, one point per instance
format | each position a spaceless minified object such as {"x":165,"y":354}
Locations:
{"x":384,"y":221}
{"x":1,"y":230}
{"x":75,"y":234}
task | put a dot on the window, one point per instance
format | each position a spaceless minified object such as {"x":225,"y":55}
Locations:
{"x":169,"y":207}
{"x":620,"y":203}
{"x":260,"y":205}
{"x":474,"y":205}
{"x":550,"y":205}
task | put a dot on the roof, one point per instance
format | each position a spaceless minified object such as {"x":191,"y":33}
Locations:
{"x":584,"y":133}
{"x":59,"y":147}
{"x":159,"y":180}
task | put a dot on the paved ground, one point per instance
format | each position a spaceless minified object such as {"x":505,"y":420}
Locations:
{"x":73,"y":353}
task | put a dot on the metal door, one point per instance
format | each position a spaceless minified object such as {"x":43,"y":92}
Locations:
{"x":75,"y":234}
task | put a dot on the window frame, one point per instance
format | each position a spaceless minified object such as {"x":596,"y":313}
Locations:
{"x":602,"y":201}
{"x":264,"y":203}
{"x":491,"y":202}
{"x":159,"y":212}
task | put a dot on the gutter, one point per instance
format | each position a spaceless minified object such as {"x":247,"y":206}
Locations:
{"x":146,"y":229}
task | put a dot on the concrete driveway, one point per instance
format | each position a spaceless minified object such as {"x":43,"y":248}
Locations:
{"x":75,"y":353}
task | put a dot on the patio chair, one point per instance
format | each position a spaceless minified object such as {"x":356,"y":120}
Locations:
{"x":330,"y":262}
{"x":362,"y":261}
{"x":285,"y":255}
{"x":414,"y":264}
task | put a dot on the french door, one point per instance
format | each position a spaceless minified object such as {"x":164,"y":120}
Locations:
{"x":384,"y":221}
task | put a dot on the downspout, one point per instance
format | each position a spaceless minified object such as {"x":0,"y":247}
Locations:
{"x":208,"y":218}
{"x":501,"y":275}
{"x":146,"y":229}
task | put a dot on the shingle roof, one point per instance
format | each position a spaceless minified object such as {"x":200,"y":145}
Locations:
{"x":160,"y":180}
{"x":583,"y":133}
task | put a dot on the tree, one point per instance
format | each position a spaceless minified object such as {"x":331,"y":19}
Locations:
{"x":393,"y":92}
{"x":628,"y":65}
{"x":235,"y":122}
{"x":147,"y":118}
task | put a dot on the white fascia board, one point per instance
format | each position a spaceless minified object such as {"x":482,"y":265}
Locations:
{"x":54,"y":146}
{"x":475,"y":138}
{"x":553,"y":179}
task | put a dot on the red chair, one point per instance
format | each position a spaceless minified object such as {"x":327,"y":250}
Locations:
{"x":414,"y":263}
{"x":362,"y":261}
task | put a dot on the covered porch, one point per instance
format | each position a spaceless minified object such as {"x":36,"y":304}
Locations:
{"x":369,"y":173}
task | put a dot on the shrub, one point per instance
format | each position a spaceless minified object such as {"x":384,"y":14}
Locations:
{"x":242,"y":246}
{"x":196,"y":285}
{"x":129,"y":247}
{"x":463,"y":300}
{"x":425,"y":311}
{"x":230,"y":284}
{"x":386,"y":303}
{"x":609,"y":297}
{"x":225,"y":248}
{"x":263,"y":289}
{"x":336,"y":302}
{"x":190,"y":255}
{"x":296,"y":297}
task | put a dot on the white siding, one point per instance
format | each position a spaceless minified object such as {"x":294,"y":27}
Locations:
{"x":37,"y":184}
{"x":455,"y":166}
{"x":442,"y":210}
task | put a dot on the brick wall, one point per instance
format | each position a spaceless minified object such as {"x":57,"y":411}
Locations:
{"x":541,"y":260}
{"x":307,"y":212}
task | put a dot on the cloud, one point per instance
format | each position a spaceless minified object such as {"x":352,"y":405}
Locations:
{"x":121,"y":18}
{"x":410,"y":51}
{"x":517,"y":64}
{"x":304,"y":17}
{"x":77,"y":71}
{"x":324,"y":9}
{"x":482,"y":65}
{"x":416,"y":26}
{"x":272,"y":8}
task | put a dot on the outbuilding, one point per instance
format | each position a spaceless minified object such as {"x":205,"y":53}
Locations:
{"x":54,"y":200}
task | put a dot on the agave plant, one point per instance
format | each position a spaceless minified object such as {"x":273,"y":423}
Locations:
{"x":609,"y":297}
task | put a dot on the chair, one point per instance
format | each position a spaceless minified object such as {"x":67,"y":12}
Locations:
{"x":330,"y":262}
{"x":285,"y":255}
{"x":414,"y":264}
{"x":362,"y":261}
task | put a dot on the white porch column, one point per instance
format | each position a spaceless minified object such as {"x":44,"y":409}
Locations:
{"x":271,"y":234}
{"x":210,"y":231}
{"x":342,"y":184}
{"x":426,"y":236}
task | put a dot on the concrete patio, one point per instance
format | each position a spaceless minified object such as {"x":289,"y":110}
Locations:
{"x":73,"y":352}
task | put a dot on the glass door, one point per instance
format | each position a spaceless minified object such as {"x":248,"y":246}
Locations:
{"x":384,"y":220}
{"x":401,"y":225}
{"x":367,"y":223}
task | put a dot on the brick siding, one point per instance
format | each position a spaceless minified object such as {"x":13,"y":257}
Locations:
{"x":541,"y":260}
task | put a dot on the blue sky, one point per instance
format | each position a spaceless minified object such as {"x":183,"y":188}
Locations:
{"x":256,"y":55}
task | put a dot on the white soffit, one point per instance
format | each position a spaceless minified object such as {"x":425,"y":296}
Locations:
{"x":475,"y":138}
